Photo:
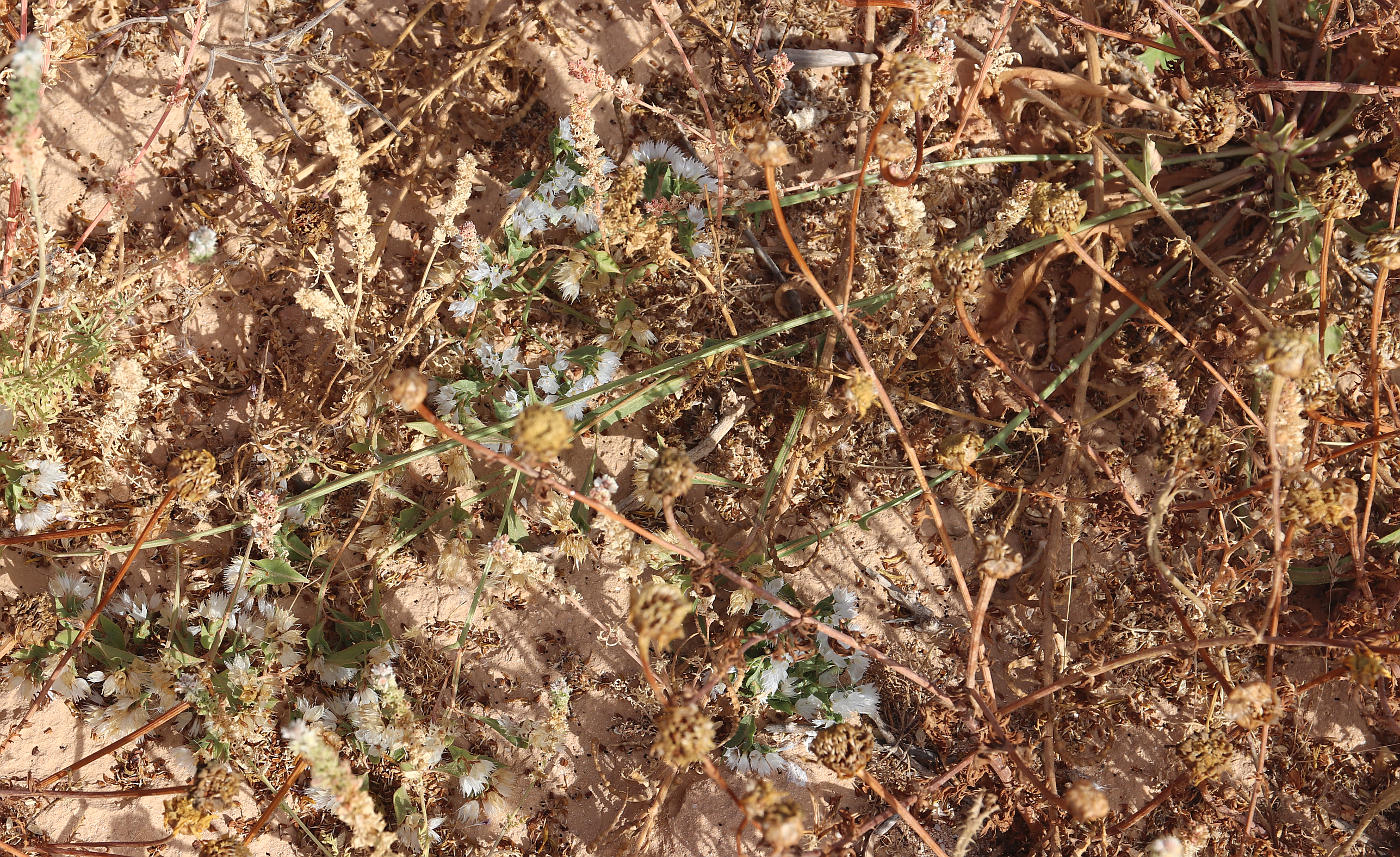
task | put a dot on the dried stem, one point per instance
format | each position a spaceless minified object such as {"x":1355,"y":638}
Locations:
{"x":301,"y":765}
{"x":904,"y":813}
{"x":33,"y":538}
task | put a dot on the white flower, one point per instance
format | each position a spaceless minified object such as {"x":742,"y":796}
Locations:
{"x":811,"y":708}
{"x":701,"y":249}
{"x":863,"y":699}
{"x":477,"y":778}
{"x":844,"y":608}
{"x":469,"y":812}
{"x":566,"y":131}
{"x":575,"y":410}
{"x":331,"y":673}
{"x":28,"y":58}
{"x":514,"y":404}
{"x":585,"y":222}
{"x":655,"y":150}
{"x":564,"y":181}
{"x":296,"y":513}
{"x":772,"y":676}
{"x":568,"y":277}
{"x":45,"y":479}
{"x":65,"y":586}
{"x":204,"y":243}
{"x":36,"y":519}
{"x":696,"y":215}
{"x":463,"y":307}
{"x":548,"y":383}
{"x":764,"y":764}
{"x":561,"y":361}
{"x":608,"y":364}
{"x":322,"y":800}
{"x":236,"y":566}
{"x":856,"y":666}
{"x":444,"y":400}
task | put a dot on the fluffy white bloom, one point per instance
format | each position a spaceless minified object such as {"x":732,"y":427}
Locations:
{"x":236,"y":566}
{"x":563,"y":183}
{"x":575,"y":410}
{"x":566,"y":131}
{"x":504,"y":363}
{"x":331,"y":673}
{"x":701,"y":249}
{"x":608,"y":364}
{"x":469,"y":813}
{"x":862,"y":699}
{"x":764,"y":764}
{"x":322,"y":800}
{"x":656,"y":150}
{"x":548,"y":383}
{"x":28,"y":58}
{"x":204,"y":243}
{"x":844,"y":609}
{"x":444,"y":400}
{"x":489,"y":274}
{"x":37,"y":518}
{"x":65,"y":586}
{"x":409,"y":834}
{"x":46,"y":477}
{"x":696,"y":215}
{"x":138,"y":606}
{"x":462,"y":307}
{"x":585,"y":222}
{"x":477,"y":777}
{"x":772,"y":677}
{"x":514,"y":404}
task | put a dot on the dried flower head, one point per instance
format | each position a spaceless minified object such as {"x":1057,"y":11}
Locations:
{"x":1054,"y":209}
{"x":215,"y":786}
{"x":192,"y":474}
{"x":657,"y":612}
{"x":1383,"y":249}
{"x":1365,"y":667}
{"x":1166,"y":846}
{"x":542,"y":433}
{"x":408,"y":388}
{"x":959,"y":451}
{"x":224,"y":846}
{"x":1210,"y":119}
{"x":665,"y":477}
{"x":1252,"y":705}
{"x":845,"y":748}
{"x":1086,"y":802}
{"x":999,"y":561}
{"x":777,"y":815}
{"x":1336,"y":193}
{"x":1288,"y":352}
{"x":32,"y":620}
{"x":685,"y":734}
{"x":768,"y":150}
{"x":310,"y":219}
{"x":892,"y":145}
{"x":913,"y":78}
{"x":1309,"y":502}
{"x":860,"y":393}
{"x":1206,"y":754}
{"x":1188,"y":446}
{"x":185,"y":818}
{"x":958,"y":270}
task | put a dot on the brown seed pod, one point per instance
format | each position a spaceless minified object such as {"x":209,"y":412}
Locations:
{"x":958,"y":451}
{"x":1086,"y":802}
{"x":913,"y":78}
{"x":542,"y":433}
{"x":192,"y":474}
{"x":1252,"y":705}
{"x":958,"y":270}
{"x":1383,"y":249}
{"x":215,"y":786}
{"x":1206,"y":754}
{"x":685,"y":734}
{"x":1288,"y":352}
{"x":891,"y":145}
{"x":999,"y":561}
{"x":1365,"y":667}
{"x":184,"y":818}
{"x":666,"y":477}
{"x":657,"y":612}
{"x":1054,"y":209}
{"x":782,"y":824}
{"x":1210,"y":119}
{"x":1336,"y":193}
{"x":408,"y":388}
{"x":768,"y":150}
{"x":224,"y":846}
{"x":844,"y":748}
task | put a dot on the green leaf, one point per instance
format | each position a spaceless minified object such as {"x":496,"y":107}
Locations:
{"x":403,"y":805}
{"x":1154,"y":58}
{"x":275,"y":571}
{"x":604,"y":263}
{"x":1333,"y":340}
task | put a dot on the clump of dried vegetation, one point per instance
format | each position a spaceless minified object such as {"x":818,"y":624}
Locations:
{"x":842,"y":427}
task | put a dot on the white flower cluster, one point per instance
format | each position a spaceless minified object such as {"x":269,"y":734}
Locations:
{"x":482,"y":276}
{"x":556,"y":381}
{"x":540,"y":210}
{"x":42,"y":480}
{"x":682,"y":165}
{"x":204,"y":243}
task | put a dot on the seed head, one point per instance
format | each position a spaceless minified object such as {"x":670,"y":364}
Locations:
{"x":913,"y":78}
{"x":665,"y":477}
{"x":408,"y":388}
{"x":777,"y":815}
{"x":184,"y":818}
{"x":657,"y":612}
{"x":958,"y":270}
{"x":1336,"y":193}
{"x":1365,"y":667}
{"x":999,"y":561}
{"x":33,"y":619}
{"x":1252,"y":705}
{"x":215,"y":786}
{"x":1288,"y":352}
{"x":1187,"y":445}
{"x":768,"y":150}
{"x":192,"y":474}
{"x":1206,"y":754}
{"x":1054,"y":209}
{"x":684,"y":735}
{"x":1086,"y":802}
{"x":542,"y":433}
{"x":844,"y":748}
{"x":860,"y":393}
{"x":1383,"y":249}
{"x":959,"y":451}
{"x":1210,"y":119}
{"x":224,"y":846}
{"x":1308,"y":501}
{"x":891,"y":145}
